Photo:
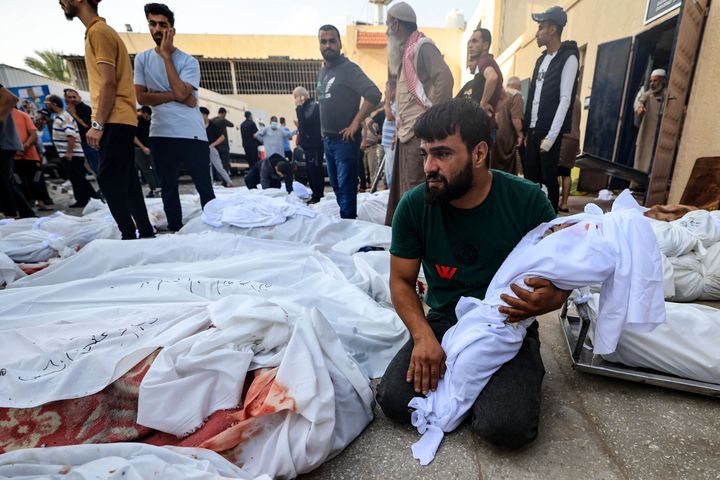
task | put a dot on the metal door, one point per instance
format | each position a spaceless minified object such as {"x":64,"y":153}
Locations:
{"x":685,"y":48}
{"x":606,"y":97}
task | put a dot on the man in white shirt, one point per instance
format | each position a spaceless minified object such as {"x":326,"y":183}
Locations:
{"x":167,"y":79}
{"x":548,"y":111}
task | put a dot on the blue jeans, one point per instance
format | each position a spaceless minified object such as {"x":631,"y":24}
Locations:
{"x":92,"y":156}
{"x":342,"y":165}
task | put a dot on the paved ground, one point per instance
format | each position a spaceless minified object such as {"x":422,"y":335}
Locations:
{"x":591,"y":427}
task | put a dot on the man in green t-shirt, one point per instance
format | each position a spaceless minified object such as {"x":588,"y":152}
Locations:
{"x":461,"y":225}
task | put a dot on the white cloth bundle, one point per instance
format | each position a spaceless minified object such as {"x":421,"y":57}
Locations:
{"x":246,"y":211}
{"x":323,"y":399}
{"x":688,"y":277}
{"x":371,"y":207}
{"x":685,"y":345}
{"x":190,"y":204}
{"x":129,"y":461}
{"x":711,"y":271}
{"x":703,"y":225}
{"x":9,"y":272}
{"x":674,"y":239}
{"x":617,"y":250}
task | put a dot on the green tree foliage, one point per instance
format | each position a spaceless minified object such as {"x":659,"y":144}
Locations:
{"x":49,"y":63}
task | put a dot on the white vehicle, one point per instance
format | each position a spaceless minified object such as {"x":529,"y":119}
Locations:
{"x":235,"y":113}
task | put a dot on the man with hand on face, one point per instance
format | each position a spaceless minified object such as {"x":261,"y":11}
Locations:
{"x":460,"y":225}
{"x":167,"y":79}
{"x":341,"y":84}
{"x":113,"y":125}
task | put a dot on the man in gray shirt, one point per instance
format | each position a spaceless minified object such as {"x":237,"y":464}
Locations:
{"x":341,"y":84}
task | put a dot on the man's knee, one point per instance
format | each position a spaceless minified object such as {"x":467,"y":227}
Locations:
{"x":506,"y":433}
{"x":392,"y":402}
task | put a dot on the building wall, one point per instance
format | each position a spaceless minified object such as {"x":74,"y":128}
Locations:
{"x":700,"y":134}
{"x":232,"y":46}
{"x":593,"y":22}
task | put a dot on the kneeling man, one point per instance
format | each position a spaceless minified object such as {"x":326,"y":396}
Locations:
{"x":460,"y":226}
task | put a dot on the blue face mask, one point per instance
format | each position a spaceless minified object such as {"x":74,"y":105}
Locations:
{"x":273,"y":124}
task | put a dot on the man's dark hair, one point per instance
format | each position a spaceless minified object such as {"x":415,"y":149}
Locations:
{"x":285,"y":168}
{"x":222,"y":110}
{"x":248,"y":114}
{"x":458,"y":115}
{"x":485,"y":35}
{"x":94,"y":5}
{"x":282,"y":119}
{"x":330,"y":28}
{"x":160,"y":9}
{"x":55,"y":100}
{"x":66,"y":90}
{"x":204,"y":111}
{"x":559,"y":29}
{"x":271,"y":118}
{"x":407,"y":26}
{"x":146,"y":109}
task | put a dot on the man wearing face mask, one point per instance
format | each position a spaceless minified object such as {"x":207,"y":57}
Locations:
{"x":167,"y":79}
{"x":273,"y":138}
{"x":647,"y":109}
{"x":424,"y":80}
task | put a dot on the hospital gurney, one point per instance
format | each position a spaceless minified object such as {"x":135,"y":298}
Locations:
{"x":575,"y":327}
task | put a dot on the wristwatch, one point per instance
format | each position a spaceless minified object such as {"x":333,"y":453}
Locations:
{"x":97,"y":126}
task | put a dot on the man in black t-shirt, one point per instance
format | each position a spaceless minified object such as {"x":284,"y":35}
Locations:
{"x":143,"y":155}
{"x":248,"y":129}
{"x":82,"y":113}
{"x":215,"y":137}
{"x":460,"y":226}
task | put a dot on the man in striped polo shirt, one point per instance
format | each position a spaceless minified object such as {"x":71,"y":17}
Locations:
{"x":66,"y":138}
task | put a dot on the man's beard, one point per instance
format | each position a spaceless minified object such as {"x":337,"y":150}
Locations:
{"x":330,"y":56}
{"x":157,"y":39}
{"x":395,"y":54}
{"x":657,"y":89}
{"x":71,"y":11}
{"x":450,"y":191}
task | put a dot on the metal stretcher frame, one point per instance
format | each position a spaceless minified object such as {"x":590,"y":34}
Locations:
{"x":575,"y":330}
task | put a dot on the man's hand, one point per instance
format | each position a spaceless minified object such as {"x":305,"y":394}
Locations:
{"x":166,"y":45}
{"x":71,"y":108}
{"x":546,"y":145}
{"x":640,"y":111}
{"x":145,"y":150}
{"x":520,"y":139}
{"x":349,"y":132}
{"x":93,"y":138}
{"x":545,"y":298}
{"x":427,"y":364}
{"x":488,"y":108}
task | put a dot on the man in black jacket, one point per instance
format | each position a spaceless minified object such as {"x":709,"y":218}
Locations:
{"x":548,"y":111}
{"x":310,"y":139}
{"x":248,"y":129}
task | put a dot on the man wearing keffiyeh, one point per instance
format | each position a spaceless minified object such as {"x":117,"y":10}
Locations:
{"x":424,"y":80}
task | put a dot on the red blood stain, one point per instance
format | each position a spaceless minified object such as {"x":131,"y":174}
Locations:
{"x":587,"y":227}
{"x":264,"y":397}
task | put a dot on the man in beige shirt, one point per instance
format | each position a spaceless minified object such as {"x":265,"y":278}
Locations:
{"x":647,"y":108}
{"x":114,"y":119}
{"x":424,"y":80}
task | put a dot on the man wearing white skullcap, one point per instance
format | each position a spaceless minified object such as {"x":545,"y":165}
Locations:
{"x":647,"y":109}
{"x":423,"y":80}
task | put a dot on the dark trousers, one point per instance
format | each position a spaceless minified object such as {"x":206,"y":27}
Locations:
{"x":168,"y":153}
{"x":118,"y":181}
{"x":541,"y":167}
{"x":12,"y":201}
{"x":315,"y":174}
{"x":251,"y":155}
{"x":145,"y":164}
{"x":82,"y":189}
{"x":506,"y":414}
{"x":33,"y":182}
{"x":225,"y":158}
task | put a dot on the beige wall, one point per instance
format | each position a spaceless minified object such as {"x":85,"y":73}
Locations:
{"x":297,"y":47}
{"x":593,"y":22}
{"x":700,"y":135}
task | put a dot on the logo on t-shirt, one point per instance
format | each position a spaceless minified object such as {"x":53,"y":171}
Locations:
{"x":446,"y":273}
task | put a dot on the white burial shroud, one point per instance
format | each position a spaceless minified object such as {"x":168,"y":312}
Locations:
{"x":617,"y":250}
